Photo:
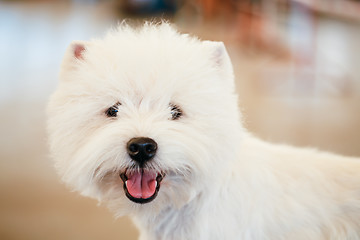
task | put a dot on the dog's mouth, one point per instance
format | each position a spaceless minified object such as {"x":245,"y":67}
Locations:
{"x":141,"y":185}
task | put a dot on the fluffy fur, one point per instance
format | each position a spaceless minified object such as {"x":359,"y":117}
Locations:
{"x":220,"y":183}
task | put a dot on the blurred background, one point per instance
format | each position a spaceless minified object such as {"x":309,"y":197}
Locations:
{"x":297,"y":65}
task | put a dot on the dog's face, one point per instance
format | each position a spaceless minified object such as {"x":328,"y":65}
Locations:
{"x":143,"y":118}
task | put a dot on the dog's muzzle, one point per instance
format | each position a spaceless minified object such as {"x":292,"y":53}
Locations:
{"x":141,"y":185}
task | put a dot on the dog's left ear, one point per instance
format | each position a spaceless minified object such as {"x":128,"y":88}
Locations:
{"x":220,"y":58}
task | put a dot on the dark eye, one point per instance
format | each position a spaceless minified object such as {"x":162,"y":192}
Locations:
{"x":176,"y":111}
{"x":112,"y":111}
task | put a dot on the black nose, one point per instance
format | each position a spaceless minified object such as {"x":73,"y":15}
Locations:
{"x":141,"y":149}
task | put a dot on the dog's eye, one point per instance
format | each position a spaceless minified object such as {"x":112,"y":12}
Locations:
{"x":176,"y":111}
{"x":112,"y":111}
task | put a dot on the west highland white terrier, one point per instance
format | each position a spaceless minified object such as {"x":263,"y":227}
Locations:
{"x":146,"y":121}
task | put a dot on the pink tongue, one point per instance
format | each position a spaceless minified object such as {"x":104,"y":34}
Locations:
{"x":141,"y":184}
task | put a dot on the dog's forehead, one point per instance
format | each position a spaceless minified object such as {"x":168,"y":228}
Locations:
{"x":143,"y":69}
{"x":152,"y":62}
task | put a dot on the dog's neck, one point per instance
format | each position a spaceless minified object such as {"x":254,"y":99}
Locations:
{"x":174,"y":223}
{"x":171,"y":222}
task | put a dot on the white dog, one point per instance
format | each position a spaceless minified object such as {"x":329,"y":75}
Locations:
{"x":146,"y":121}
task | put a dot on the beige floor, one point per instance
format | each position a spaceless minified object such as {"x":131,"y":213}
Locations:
{"x":282,"y":101}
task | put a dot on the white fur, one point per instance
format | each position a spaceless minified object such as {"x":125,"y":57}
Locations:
{"x":221,"y":182}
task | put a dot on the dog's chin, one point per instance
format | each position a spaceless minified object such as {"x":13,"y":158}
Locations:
{"x":141,"y":185}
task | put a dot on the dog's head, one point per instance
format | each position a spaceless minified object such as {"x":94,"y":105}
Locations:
{"x":144,"y":118}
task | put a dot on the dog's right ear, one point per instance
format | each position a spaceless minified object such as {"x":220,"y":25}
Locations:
{"x":75,"y":53}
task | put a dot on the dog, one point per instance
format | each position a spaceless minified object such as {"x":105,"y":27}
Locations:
{"x":146,"y":121}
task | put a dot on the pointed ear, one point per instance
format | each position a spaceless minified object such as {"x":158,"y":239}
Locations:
{"x":220,"y":59}
{"x":74,"y":53}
